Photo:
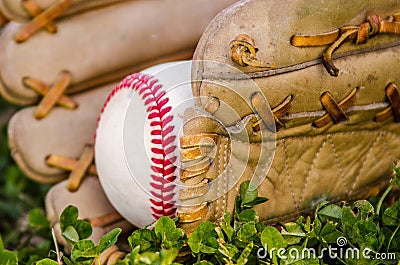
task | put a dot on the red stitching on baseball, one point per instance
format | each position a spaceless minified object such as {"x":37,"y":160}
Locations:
{"x":163,"y":169}
{"x":162,"y":197}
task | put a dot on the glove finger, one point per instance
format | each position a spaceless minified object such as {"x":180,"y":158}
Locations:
{"x":63,"y":133}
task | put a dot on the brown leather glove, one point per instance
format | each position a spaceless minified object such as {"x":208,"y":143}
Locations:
{"x":328,"y":70}
{"x":63,"y":63}
{"x":69,"y":74}
{"x":99,"y":46}
{"x":33,"y":12}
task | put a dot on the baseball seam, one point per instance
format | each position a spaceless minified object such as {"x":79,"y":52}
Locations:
{"x":162,"y":140}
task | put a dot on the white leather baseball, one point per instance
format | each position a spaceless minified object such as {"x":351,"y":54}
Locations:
{"x":136,"y":141}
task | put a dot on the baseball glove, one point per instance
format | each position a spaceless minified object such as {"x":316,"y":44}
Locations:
{"x":307,"y":106}
{"x":85,"y":55}
{"x":66,"y":77}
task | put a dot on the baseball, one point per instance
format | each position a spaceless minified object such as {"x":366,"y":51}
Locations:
{"x":136,"y":145}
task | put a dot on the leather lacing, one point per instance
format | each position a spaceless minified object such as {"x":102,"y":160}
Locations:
{"x":78,"y":168}
{"x":201,"y":157}
{"x":336,"y":112}
{"x":243,"y":52}
{"x":197,"y":156}
{"x":393,"y":95}
{"x":52,"y":95}
{"x":259,"y":104}
{"x":41,"y":18}
{"x":373,"y":26}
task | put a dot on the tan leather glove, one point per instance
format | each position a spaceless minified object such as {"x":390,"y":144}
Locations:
{"x":28,"y":11}
{"x":98,"y":56}
{"x":328,"y":70}
{"x":100,"y":46}
{"x":69,"y":75}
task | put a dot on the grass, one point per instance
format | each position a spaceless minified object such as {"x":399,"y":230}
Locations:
{"x":18,"y":197}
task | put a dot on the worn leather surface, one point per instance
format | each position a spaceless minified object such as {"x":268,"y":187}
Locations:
{"x":14,"y":10}
{"x":283,"y":19}
{"x":63,"y":132}
{"x":335,"y":162}
{"x":104,"y":44}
